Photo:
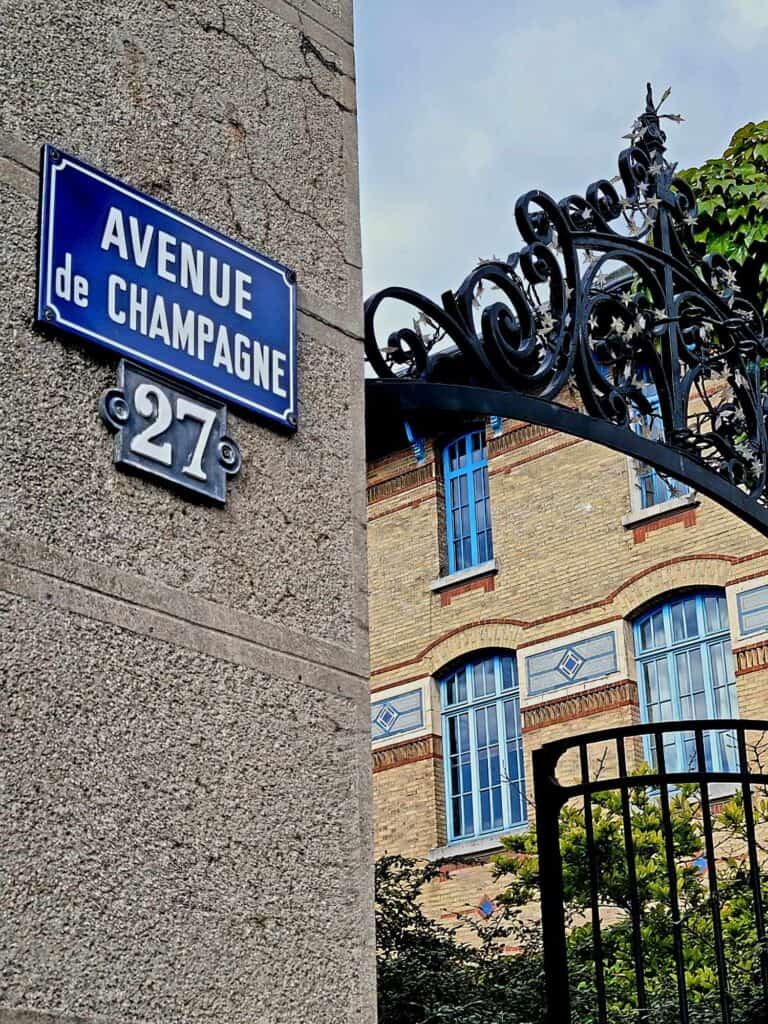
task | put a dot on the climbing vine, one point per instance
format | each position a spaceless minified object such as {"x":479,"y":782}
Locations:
{"x":732,"y":199}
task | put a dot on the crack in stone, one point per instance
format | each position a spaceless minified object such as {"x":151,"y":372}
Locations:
{"x":232,"y":210}
{"x":241,"y":132}
{"x":307,"y":46}
{"x":318,"y":21}
{"x":294,"y":209}
{"x":284,"y":200}
{"x":314,"y":315}
{"x":223,"y":30}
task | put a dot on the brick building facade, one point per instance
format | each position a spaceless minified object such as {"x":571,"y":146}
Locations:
{"x":601,"y":596}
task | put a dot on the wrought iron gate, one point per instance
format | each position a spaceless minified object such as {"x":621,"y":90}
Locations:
{"x":601,"y":763}
{"x":608,"y":295}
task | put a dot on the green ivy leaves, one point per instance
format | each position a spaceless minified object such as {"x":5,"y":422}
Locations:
{"x":732,"y":200}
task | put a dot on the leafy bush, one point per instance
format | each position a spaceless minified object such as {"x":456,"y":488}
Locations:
{"x":426,"y":975}
{"x":519,"y":866}
{"x":732,"y":198}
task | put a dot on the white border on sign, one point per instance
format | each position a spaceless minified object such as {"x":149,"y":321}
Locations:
{"x":46,"y":271}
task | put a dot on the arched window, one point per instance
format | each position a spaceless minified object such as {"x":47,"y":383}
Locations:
{"x":483,"y":748}
{"x":685,"y":671}
{"x":467,"y":504}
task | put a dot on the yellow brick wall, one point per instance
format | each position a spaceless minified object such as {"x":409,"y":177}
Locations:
{"x":566,"y":564}
{"x":409,"y":815}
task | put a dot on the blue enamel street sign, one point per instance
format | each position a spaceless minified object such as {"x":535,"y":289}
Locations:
{"x":127,"y":272}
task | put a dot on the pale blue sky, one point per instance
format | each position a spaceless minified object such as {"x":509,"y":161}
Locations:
{"x":464,"y":106}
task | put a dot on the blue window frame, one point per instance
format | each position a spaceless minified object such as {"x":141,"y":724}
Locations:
{"x":467,"y":502}
{"x":483,"y":747}
{"x":685,"y":671}
{"x":653,"y":488}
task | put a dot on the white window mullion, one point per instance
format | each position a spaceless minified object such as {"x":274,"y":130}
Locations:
{"x":475,"y":768}
{"x":449,"y":794}
{"x":501,"y":719}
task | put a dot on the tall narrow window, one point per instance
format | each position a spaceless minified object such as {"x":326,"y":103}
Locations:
{"x":685,"y":671}
{"x":651,"y":487}
{"x":467,"y":504}
{"x":483,"y":747}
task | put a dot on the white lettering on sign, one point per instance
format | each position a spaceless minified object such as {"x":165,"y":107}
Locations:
{"x":166,"y":257}
{"x":185,"y":408}
{"x":68,"y":286}
{"x":183,"y":333}
{"x":114,"y":233}
{"x":278,"y":372}
{"x":153,"y":404}
{"x":158,"y":323}
{"x":154,"y":317}
{"x":222,"y":356}
{"x":151,"y":401}
{"x":191,"y":274}
{"x":178,"y":262}
{"x":140,"y":241}
{"x":242,"y":294}
{"x":113,"y":283}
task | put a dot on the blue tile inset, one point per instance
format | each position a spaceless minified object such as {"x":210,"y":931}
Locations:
{"x":572,"y":663}
{"x":395,"y":715}
{"x":753,"y":610}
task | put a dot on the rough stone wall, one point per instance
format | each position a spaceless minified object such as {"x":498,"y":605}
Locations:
{"x":185,"y":760}
{"x":568,"y":569}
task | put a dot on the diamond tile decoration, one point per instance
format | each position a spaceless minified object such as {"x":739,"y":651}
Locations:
{"x":570,"y":664}
{"x":386,"y":717}
{"x":577,"y":661}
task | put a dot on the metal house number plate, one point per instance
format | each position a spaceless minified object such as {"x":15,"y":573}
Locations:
{"x":165,"y":430}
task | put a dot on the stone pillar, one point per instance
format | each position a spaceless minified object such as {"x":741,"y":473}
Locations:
{"x":185,"y":755}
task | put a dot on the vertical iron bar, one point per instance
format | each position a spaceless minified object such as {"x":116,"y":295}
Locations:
{"x":629,"y":847}
{"x":670,"y":352}
{"x":714,"y":897}
{"x":548,"y":802}
{"x":754,"y":866}
{"x":674,"y":903}
{"x":597,"y":937}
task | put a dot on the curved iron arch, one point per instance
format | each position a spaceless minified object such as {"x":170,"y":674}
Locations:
{"x":605,"y":315}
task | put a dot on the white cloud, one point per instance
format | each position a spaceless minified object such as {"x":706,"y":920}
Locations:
{"x":754,"y":13}
{"x":746,"y":21}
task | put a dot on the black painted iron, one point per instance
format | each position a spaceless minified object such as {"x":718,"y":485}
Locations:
{"x":749,"y":777}
{"x":592,"y":315}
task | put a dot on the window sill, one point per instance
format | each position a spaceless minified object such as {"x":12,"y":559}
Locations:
{"x":722,"y":792}
{"x":473,"y":847}
{"x":664,"y":508}
{"x":474,"y":572}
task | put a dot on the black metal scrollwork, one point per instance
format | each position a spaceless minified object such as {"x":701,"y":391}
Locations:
{"x":607,"y":300}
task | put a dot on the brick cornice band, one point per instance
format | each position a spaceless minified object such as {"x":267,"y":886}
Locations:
{"x":405,"y":481}
{"x":518,"y":437}
{"x":573,"y":706}
{"x":424,"y":748}
{"x":750,"y":659}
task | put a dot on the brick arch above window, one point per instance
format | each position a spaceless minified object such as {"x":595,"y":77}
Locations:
{"x":685,"y":573}
{"x":473,"y":637}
